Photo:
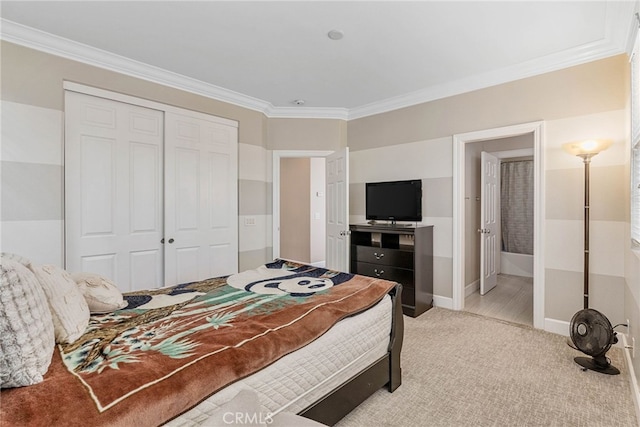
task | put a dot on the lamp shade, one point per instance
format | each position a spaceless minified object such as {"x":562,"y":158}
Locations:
{"x":587,"y":148}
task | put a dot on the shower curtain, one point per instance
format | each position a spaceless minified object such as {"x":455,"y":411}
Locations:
{"x":516,"y":206}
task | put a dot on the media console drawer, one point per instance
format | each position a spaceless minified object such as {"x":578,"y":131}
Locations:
{"x":401,"y":275}
{"x":385,"y":256}
{"x":400,"y":254}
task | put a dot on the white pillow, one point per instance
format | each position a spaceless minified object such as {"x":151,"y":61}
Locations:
{"x":19,"y":258}
{"x":102,"y":295}
{"x":69,"y":309}
{"x":26,"y":328}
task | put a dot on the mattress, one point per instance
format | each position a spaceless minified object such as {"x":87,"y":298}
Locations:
{"x":303,"y":377}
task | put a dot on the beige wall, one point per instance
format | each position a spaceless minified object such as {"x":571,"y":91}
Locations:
{"x":580,"y":102}
{"x":32,"y":89}
{"x":295,"y":209}
{"x":414,"y":142}
{"x":306,"y":134}
{"x":575,"y":91}
{"x":318,"y":210}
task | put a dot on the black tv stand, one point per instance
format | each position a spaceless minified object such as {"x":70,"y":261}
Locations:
{"x":391,"y":224}
{"x":402,"y":254}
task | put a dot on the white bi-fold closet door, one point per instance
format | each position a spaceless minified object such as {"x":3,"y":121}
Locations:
{"x":150,"y":193}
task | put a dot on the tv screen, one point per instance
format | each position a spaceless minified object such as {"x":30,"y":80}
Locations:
{"x":394,"y":201}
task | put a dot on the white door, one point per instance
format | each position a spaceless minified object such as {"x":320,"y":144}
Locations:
{"x":150,"y":195}
{"x":201,"y":193}
{"x":489,"y":248}
{"x":337,"y":245}
{"x":113,"y":190}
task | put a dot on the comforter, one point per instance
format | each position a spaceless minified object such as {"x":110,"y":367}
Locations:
{"x":171,"y":348}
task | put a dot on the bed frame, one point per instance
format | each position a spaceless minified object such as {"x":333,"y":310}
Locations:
{"x":386,"y":371}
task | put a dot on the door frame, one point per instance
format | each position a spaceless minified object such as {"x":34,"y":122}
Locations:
{"x":459,"y":144}
{"x":277,"y":156}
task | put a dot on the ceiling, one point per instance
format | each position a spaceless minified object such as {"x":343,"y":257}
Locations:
{"x":265,"y":55}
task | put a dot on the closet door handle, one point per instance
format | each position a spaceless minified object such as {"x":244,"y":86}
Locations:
{"x":162,"y":241}
{"x":171,"y":240}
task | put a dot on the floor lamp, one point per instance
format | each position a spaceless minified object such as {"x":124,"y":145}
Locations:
{"x":586,"y":150}
{"x":591,"y":332}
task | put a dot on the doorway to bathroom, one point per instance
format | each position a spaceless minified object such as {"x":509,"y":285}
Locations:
{"x":504,"y":213}
{"x":509,"y":253}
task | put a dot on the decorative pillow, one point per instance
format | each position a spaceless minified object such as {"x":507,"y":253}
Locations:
{"x":22,"y":260}
{"x":69,"y":309}
{"x":102,"y":295}
{"x":26,"y":327}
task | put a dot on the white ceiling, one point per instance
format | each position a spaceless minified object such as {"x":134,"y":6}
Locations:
{"x":264,"y":54}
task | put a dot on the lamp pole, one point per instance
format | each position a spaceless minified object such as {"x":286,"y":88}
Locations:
{"x":586,"y":150}
{"x":586,"y":158}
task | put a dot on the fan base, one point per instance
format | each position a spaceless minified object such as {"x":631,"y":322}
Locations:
{"x":589,"y":363}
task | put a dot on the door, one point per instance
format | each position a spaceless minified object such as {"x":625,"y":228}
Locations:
{"x":201,"y":208}
{"x":337,"y":241}
{"x":150,"y":194}
{"x":113,"y":190}
{"x":488,"y":222}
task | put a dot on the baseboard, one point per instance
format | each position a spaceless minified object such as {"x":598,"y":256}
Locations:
{"x":559,"y":327}
{"x":635,"y":390}
{"x":471,"y":288}
{"x":443,"y":302}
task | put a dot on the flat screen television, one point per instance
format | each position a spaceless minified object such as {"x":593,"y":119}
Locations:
{"x":394,"y":200}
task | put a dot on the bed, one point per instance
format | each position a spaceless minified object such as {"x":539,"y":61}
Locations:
{"x":177,"y":355}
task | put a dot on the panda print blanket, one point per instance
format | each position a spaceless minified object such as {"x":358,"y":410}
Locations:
{"x":171,"y":348}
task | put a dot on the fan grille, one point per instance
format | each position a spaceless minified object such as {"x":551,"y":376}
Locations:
{"x":591,"y":332}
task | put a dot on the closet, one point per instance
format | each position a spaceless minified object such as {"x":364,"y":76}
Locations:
{"x":150,"y":191}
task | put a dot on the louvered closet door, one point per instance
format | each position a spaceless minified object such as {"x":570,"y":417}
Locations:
{"x":113,"y":190}
{"x":201,"y":187}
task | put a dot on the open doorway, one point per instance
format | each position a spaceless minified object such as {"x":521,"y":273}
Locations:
{"x":463,"y":256}
{"x":336,"y":196}
{"x":292,"y":206}
{"x":499,"y":200}
{"x":302,"y":210}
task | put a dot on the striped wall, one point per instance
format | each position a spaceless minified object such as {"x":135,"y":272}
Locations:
{"x":414,"y":142}
{"x":564,"y":215}
{"x":254,"y":210}
{"x":32,"y":182}
{"x":32,"y":174}
{"x":431,"y":161}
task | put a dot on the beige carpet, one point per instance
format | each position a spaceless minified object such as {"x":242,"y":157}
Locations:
{"x":462,"y":369}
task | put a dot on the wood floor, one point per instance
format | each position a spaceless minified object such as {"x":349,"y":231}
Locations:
{"x":511,"y":299}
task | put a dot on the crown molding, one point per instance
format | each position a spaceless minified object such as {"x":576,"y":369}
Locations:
{"x":59,"y":46}
{"x":565,"y":59}
{"x":615,"y":41}
{"x":307,"y":112}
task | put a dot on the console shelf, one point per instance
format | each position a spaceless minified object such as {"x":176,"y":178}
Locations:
{"x":400,"y":254}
